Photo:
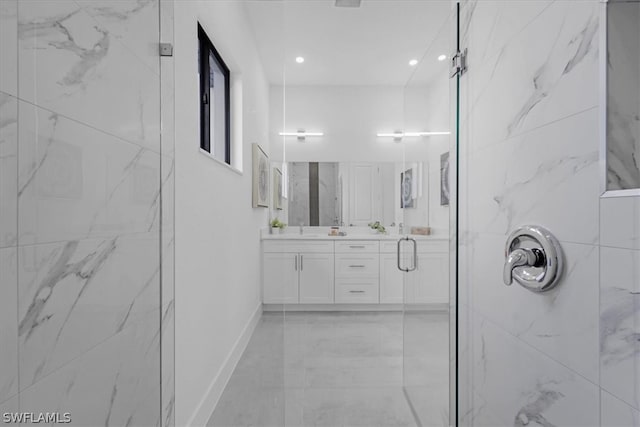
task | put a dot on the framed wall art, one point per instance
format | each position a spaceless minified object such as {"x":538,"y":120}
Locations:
{"x":277,"y":189}
{"x":260,"y":178}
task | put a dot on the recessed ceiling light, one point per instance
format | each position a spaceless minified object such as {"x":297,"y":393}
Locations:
{"x":413,"y":62}
{"x":299,"y":59}
{"x":442,"y":57}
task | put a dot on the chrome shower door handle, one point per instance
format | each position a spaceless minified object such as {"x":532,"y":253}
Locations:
{"x":415,"y":254}
{"x":533,"y":258}
{"x":406,"y":270}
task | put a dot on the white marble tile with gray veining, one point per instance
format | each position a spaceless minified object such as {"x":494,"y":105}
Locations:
{"x":9,"y":47}
{"x":133,"y":23}
{"x":616,"y":413}
{"x":168,"y":365}
{"x":548,"y":176}
{"x":74,"y":295}
{"x":8,"y":320}
{"x":8,"y":169}
{"x":71,"y":65}
{"x":620,"y":222}
{"x":520,"y":386}
{"x":76,"y":182}
{"x":495,"y":24}
{"x":512,"y":93}
{"x":619,"y":320}
{"x":107,"y":386}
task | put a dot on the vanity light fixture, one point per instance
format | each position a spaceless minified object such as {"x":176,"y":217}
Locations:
{"x":301,"y":134}
{"x":410,"y":134}
{"x":397,"y":136}
{"x":442,"y":57}
{"x":299,"y":59}
{"x":413,"y":62}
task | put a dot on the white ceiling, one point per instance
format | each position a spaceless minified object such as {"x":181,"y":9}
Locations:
{"x":369,"y":45}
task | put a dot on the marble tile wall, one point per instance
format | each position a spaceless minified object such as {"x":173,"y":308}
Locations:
{"x":529,"y":155}
{"x":86,"y":187}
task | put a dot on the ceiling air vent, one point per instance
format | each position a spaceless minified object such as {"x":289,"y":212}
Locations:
{"x":348,"y":3}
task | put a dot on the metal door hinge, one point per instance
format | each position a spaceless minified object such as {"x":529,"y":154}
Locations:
{"x":459,"y":63}
{"x":166,"y":49}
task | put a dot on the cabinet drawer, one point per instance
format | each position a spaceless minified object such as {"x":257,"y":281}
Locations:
{"x":357,"y":265}
{"x":358,"y":246}
{"x":357,"y":291}
{"x":295,"y":246}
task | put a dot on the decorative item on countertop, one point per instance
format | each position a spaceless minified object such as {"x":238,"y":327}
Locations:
{"x":334,"y":231}
{"x":277,"y":226}
{"x":378,"y":227}
{"x":422,"y":231}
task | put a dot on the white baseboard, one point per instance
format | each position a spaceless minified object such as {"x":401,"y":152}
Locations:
{"x":209,"y":401}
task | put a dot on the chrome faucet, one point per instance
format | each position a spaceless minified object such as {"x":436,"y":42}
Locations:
{"x":521,"y":257}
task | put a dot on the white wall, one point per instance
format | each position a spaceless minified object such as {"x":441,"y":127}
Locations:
{"x":217,"y":230}
{"x":351,"y":116}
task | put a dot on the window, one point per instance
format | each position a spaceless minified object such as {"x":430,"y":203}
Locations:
{"x":215,"y":118}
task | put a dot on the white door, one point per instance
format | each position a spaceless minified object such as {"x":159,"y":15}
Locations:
{"x":280,"y":278}
{"x":316,"y":278}
{"x":390,"y":280}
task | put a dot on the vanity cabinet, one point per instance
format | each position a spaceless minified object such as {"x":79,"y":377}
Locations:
{"x":280,"y":278}
{"x":298,"y":273}
{"x":391,"y":280}
{"x":357,"y":272}
{"x":315,"y":278}
{"x":313,"y":271}
{"x":429,"y":283}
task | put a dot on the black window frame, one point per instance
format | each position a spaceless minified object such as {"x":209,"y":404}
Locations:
{"x":206,"y":48}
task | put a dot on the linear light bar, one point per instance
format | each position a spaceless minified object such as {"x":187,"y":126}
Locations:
{"x":411,"y":134}
{"x":301,"y":134}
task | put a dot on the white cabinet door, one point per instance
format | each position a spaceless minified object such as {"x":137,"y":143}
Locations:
{"x":429,"y":283}
{"x":391,"y":285}
{"x":280,"y":278}
{"x":316,"y":278}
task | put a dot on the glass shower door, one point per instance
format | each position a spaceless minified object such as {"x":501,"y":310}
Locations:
{"x":81,"y":171}
{"x":424,"y":248}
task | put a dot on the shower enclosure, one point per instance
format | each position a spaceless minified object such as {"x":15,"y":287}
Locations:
{"x":86,"y":226}
{"x":541,"y":142}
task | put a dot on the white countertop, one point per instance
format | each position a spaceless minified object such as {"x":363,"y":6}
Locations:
{"x":315,"y":236}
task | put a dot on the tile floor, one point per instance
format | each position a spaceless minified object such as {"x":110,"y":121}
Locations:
{"x":341,"y":369}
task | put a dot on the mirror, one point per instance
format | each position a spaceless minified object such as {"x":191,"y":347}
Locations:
{"x":357,"y":193}
{"x":623,"y":95}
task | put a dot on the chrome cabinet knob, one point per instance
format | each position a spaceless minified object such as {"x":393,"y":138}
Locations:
{"x":533,"y":258}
